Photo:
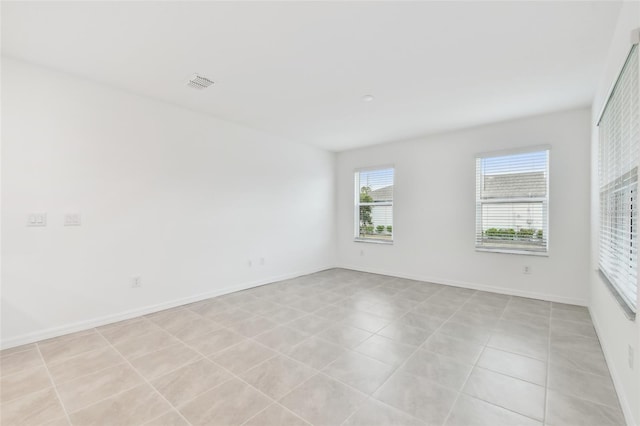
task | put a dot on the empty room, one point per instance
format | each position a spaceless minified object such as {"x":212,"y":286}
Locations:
{"x":365,"y":213}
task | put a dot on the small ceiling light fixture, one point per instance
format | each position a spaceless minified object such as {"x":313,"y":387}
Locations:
{"x":199,"y":82}
{"x":367,"y":98}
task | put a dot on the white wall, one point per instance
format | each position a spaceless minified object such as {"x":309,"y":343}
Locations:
{"x":615,"y":331}
{"x":434,"y":209}
{"x":179,"y":198}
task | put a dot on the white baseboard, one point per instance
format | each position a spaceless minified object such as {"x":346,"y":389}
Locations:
{"x":615,"y":375}
{"x":474,"y":286}
{"x":132,"y":313}
{"x":108,"y":319}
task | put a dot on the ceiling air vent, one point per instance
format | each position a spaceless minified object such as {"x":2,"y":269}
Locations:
{"x":199,"y":82}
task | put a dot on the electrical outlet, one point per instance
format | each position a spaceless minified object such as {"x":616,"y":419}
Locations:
{"x":262,"y":261}
{"x":631,"y":357}
{"x":526,"y":270}
{"x":249,"y":263}
{"x":37,"y":219}
{"x":361,"y":252}
{"x":136,"y":282}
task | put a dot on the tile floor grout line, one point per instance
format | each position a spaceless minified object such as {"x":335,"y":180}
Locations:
{"x":53,"y":384}
{"x":412,"y":354}
{"x":503,"y":374}
{"x":484,"y":348}
{"x":273,"y":401}
{"x":348,"y":349}
{"x":145,"y":380}
{"x":226,"y":381}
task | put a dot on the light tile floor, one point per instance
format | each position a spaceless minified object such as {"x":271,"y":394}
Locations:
{"x":334,"y":348}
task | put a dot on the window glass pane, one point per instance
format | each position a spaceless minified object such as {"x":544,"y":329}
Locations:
{"x":512,"y":201}
{"x":374,"y":204}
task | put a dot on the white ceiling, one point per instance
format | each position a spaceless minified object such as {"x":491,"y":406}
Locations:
{"x":299,"y":69}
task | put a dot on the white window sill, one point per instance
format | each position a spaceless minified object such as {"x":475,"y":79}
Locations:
{"x":372,"y":241}
{"x":513,"y":251}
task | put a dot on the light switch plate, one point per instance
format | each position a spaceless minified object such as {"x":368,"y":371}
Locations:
{"x":37,"y":219}
{"x":72,"y":219}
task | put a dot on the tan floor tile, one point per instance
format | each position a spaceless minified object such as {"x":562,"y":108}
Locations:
{"x":187,"y":382}
{"x":276,"y":415}
{"x":69,"y":336}
{"x":404,"y":333}
{"x":277,"y":376}
{"x":33,"y":409}
{"x":253,"y":326}
{"x":583,"y":385}
{"x":173,"y":319}
{"x":385,"y":350}
{"x":323,"y":401}
{"x":215,"y":342}
{"x":523,"y":345}
{"x":472,"y":333}
{"x":172,"y":418}
{"x":64,"y":347}
{"x":367,"y":322}
{"x":281,"y":338}
{"x":565,"y":410}
{"x":125,"y":330}
{"x":62,"y":421}
{"x":230,"y":316}
{"x":344,"y":335}
{"x":164,"y":360}
{"x":20,"y":361}
{"x":316,"y":353}
{"x":285,"y":314}
{"x":363,"y":373}
{"x":417,"y":397}
{"x":243,"y":356}
{"x":87,"y":390}
{"x":430,"y":324}
{"x":374,"y":413}
{"x":208,"y":307}
{"x":145,"y":344}
{"x":135,"y":406}
{"x":470,"y":411}
{"x":85,"y":363}
{"x":229,"y":404}
{"x":16,"y":349}
{"x":513,"y":394}
{"x":24,"y":382}
{"x":514,"y":365}
{"x":196,"y":328}
{"x":310,"y":324}
{"x":438,"y":368}
{"x":461,"y":350}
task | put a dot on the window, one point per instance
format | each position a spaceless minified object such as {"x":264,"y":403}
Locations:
{"x":619,"y":142}
{"x":374,"y":205}
{"x":512,"y":202}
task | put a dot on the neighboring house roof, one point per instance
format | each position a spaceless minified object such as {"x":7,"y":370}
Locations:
{"x":529,"y":184}
{"x":382,"y":194}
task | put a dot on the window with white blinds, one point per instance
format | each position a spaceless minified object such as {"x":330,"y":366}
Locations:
{"x":512,"y":202}
{"x":619,"y":143}
{"x":374,"y":205}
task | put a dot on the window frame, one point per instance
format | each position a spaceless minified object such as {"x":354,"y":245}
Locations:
{"x":505,"y":200}
{"x":614,"y":192}
{"x":357,"y":204}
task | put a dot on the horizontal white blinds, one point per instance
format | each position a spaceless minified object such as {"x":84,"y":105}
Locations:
{"x":512,"y":201}
{"x":374,"y":204}
{"x":619,"y":143}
